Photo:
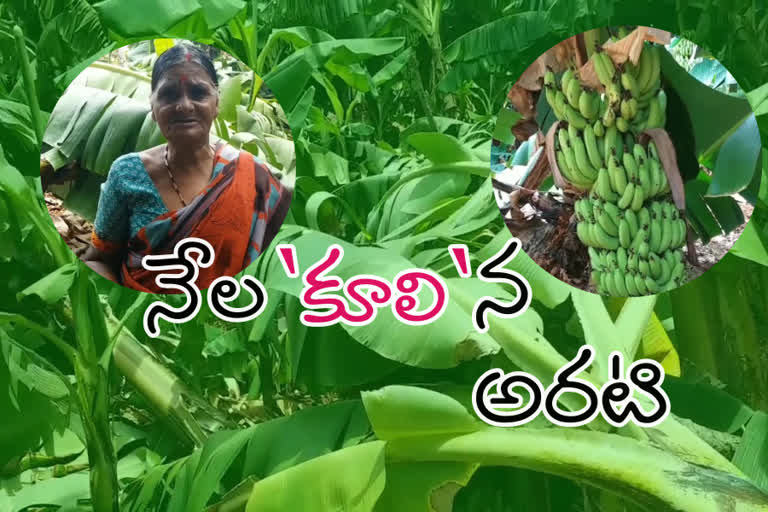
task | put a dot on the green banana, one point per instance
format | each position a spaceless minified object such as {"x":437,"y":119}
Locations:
{"x":590,"y":143}
{"x":637,"y":200}
{"x":629,"y":279}
{"x":655,"y":265}
{"x":603,"y":186}
{"x":573,"y":92}
{"x":643,"y":250}
{"x":631,"y":166}
{"x":644,"y":69}
{"x":653,"y":151}
{"x":562,"y":137}
{"x":625,"y":109}
{"x":644,"y":217}
{"x":580,"y":153}
{"x":633,"y":262}
{"x":609,"y":117}
{"x":665,"y":273}
{"x":589,"y":104}
{"x":605,"y":221}
{"x":651,"y":285}
{"x":598,"y":128}
{"x":627,"y":196}
{"x":633,"y":221}
{"x":565,"y":79}
{"x":559,"y":105}
{"x":655,"y":235}
{"x":603,"y":239}
{"x":574,"y":117}
{"x":583,"y":234}
{"x":640,"y":284}
{"x":613,"y":212}
{"x":643,"y":267}
{"x":621,"y":258}
{"x":656,"y":117}
{"x":617,"y":175}
{"x":629,"y":83}
{"x":624,"y":235}
{"x":622,"y":124}
{"x":619,"y":283}
{"x":611,"y":262}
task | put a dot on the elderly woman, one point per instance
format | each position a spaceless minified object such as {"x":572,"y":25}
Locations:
{"x":185,"y":188}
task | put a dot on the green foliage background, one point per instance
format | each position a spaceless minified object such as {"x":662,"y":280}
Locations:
{"x":391,"y":104}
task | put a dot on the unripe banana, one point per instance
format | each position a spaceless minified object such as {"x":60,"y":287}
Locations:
{"x":565,"y":79}
{"x":559,"y":105}
{"x":655,"y":235}
{"x":644,"y":69}
{"x":637,"y":200}
{"x":643,"y":250}
{"x":562,"y":137}
{"x":601,"y":70}
{"x":651,"y":285}
{"x":613,"y":93}
{"x":609,"y":117}
{"x":605,"y":221}
{"x":590,"y":142}
{"x":644,"y":217}
{"x":583,"y":234}
{"x":549,"y":78}
{"x":656,"y":177}
{"x":595,"y":259}
{"x":611,"y":262}
{"x":640,"y":284}
{"x":573,"y":117}
{"x":613,"y":212}
{"x":622,"y":124}
{"x":573,"y":92}
{"x":639,"y":238}
{"x":643,"y":267}
{"x":582,"y":160}
{"x":633,"y":262}
{"x":625,"y":109}
{"x":611,"y":142}
{"x":627,"y":196}
{"x":652,"y":151}
{"x":655,"y":265}
{"x":644,"y":177}
{"x":603,"y":239}
{"x":633,"y":221}
{"x":603,"y":186}
{"x":631,"y":166}
{"x":608,"y":286}
{"x":629,"y":83}
{"x":665,"y":273}
{"x":551,"y":99}
{"x":596,"y":278}
{"x":598,"y":128}
{"x":589,"y":104}
{"x":621,"y":258}
{"x":617,"y":176}
{"x":656,"y":118}
{"x":619,"y":283}
{"x":629,"y":279}
{"x":624,"y":236}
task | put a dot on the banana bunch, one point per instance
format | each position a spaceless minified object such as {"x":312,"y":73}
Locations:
{"x":634,"y":233}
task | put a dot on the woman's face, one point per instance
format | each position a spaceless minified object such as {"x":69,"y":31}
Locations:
{"x":185,"y":103}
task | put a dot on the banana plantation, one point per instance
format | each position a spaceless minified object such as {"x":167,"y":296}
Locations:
{"x":381,"y":114}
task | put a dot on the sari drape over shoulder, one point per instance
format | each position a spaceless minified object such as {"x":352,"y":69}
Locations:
{"x":239,"y":212}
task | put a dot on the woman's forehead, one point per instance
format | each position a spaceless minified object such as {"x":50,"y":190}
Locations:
{"x":187,"y":71}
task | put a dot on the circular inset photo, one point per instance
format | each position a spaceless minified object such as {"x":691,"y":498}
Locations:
{"x":165,"y":140}
{"x":627,"y":160}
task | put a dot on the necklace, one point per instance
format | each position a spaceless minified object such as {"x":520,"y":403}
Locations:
{"x":170,"y":175}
